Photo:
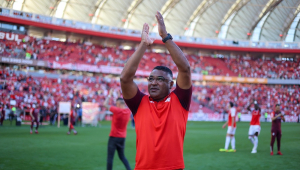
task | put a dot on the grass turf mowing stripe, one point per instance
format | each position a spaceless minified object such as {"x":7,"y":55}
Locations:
{"x":52,"y":148}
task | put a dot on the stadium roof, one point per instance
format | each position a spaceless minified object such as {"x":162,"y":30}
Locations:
{"x":270,"y":20}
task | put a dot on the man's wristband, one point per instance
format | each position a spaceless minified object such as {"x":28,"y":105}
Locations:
{"x":168,"y":37}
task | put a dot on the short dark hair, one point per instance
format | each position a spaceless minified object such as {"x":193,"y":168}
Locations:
{"x":277,"y":105}
{"x":120,"y":99}
{"x":165,"y":69}
{"x":231,"y":104}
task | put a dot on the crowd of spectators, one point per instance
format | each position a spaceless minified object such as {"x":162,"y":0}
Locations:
{"x":88,"y":53}
{"x":48,"y":92}
{"x":261,"y":68}
{"x":217,"y":96}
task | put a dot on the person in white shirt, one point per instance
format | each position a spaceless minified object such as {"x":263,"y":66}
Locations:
{"x":231,"y":122}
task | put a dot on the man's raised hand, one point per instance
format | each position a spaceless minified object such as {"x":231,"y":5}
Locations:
{"x":145,"y":35}
{"x":161,"y":25}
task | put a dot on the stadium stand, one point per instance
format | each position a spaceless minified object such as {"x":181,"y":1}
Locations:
{"x":49,"y":50}
{"x":217,"y":96}
{"x":64,"y":57}
{"x":211,"y":98}
{"x":261,"y":68}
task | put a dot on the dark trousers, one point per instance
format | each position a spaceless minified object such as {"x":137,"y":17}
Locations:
{"x":11,"y":117}
{"x":2,"y":118}
{"x":275,"y":134}
{"x":77,"y":119}
{"x":132,"y":123}
{"x":113,"y":144}
{"x":41,"y":120}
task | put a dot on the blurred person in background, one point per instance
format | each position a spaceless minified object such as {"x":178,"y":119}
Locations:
{"x":53,"y":115}
{"x":224,"y":115}
{"x":254,"y":129}
{"x":117,"y":136}
{"x":276,"y":118}
{"x":34,"y":113}
{"x":266,"y":117}
{"x":2,"y":114}
{"x":239,"y":116}
{"x":43,"y":113}
{"x":72,"y":121}
{"x":231,"y":122}
{"x":79,"y":114}
{"x":11,"y":114}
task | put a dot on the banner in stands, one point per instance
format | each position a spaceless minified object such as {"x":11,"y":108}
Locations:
{"x":246,"y":117}
{"x":90,"y":112}
{"x":236,"y":79}
{"x":64,"y":107}
{"x":289,"y":118}
{"x":205,"y":117}
{"x":23,"y":61}
{"x":118,"y":70}
{"x":14,"y":37}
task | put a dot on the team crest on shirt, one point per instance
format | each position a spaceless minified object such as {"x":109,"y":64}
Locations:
{"x":168,"y":99}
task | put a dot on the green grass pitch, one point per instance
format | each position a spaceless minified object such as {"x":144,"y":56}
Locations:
{"x":53,"y":149}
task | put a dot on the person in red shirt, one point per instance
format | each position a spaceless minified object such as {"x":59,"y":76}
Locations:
{"x":276,"y":118}
{"x":34,"y":113}
{"x":121,"y":116}
{"x":254,"y":129}
{"x":72,"y":122}
{"x":160,"y":117}
{"x":231,"y":122}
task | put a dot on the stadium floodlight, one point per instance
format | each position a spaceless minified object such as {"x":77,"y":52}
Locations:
{"x":61,"y":8}
{"x":18,"y":4}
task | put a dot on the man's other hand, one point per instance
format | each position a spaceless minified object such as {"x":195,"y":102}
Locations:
{"x":145,"y":35}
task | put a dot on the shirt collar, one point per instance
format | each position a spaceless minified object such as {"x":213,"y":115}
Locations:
{"x":165,"y":98}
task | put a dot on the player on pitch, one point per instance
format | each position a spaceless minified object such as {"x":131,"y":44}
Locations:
{"x":72,"y":122}
{"x":160,"y":117}
{"x":254,"y":129}
{"x":121,"y":116}
{"x":231,"y":129}
{"x":35,"y":114}
{"x":276,"y":117}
